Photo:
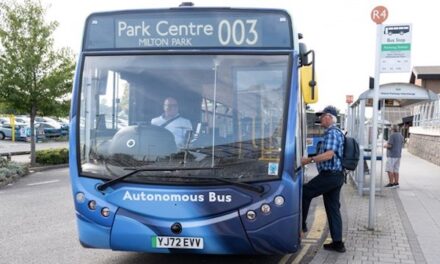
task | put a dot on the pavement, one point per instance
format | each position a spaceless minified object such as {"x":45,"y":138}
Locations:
{"x":7,"y":146}
{"x":407,"y":220}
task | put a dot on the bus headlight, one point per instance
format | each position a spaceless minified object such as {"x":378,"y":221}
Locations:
{"x":80,"y":197}
{"x":265,"y":208}
{"x":105,"y":212}
{"x":92,"y":205}
{"x":279,"y":200}
{"x":251,"y":215}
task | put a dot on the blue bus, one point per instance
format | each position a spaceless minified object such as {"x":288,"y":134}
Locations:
{"x":226,"y":177}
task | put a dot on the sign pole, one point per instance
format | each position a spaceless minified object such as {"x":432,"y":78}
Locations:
{"x":379,"y":14}
{"x":372,"y":213}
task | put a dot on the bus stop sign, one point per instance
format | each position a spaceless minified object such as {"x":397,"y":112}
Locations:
{"x":379,"y":14}
{"x":395,"y":55}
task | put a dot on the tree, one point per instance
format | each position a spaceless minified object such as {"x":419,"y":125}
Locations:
{"x":33,"y":76}
{"x":5,"y":108}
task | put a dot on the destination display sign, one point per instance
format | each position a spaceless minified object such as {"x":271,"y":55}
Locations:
{"x":188,"y":29}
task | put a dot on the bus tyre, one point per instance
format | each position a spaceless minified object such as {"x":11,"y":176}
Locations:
{"x":2,"y":136}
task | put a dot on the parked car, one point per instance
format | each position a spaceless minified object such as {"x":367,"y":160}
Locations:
{"x":64,"y":126}
{"x":4,"y":120}
{"x":47,"y":120}
{"x":22,"y":119}
{"x":18,"y":119}
{"x":50,"y":130}
{"x":22,"y":132}
{"x":63,"y":120}
{"x":5,"y":131}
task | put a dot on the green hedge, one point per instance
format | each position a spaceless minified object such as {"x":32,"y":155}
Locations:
{"x":52,"y":156}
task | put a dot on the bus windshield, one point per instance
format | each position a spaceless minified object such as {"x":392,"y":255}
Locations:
{"x":219,"y":116}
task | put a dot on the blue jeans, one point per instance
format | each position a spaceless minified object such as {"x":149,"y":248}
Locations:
{"x":327,"y":183}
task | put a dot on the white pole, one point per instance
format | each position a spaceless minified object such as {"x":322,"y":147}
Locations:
{"x":214,"y":110}
{"x":382,"y":117}
{"x":361,"y":140}
{"x":372,"y":212}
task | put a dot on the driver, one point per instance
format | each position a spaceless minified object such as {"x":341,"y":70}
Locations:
{"x":171,"y":120}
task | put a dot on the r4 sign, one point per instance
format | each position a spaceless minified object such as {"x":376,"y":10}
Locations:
{"x":379,"y":14}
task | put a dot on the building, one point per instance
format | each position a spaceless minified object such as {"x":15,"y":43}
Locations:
{"x":427,"y":77}
{"x":425,"y":128}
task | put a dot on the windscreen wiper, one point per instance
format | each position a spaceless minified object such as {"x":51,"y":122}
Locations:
{"x":257,"y":189}
{"x":247,"y":186}
{"x":103,"y":186}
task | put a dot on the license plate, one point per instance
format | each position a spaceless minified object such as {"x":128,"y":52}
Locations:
{"x":177,"y":242}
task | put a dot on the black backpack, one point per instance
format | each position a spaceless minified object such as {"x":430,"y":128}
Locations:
{"x":350,"y":158}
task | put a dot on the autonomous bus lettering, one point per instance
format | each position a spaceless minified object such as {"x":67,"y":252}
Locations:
{"x":156,"y":197}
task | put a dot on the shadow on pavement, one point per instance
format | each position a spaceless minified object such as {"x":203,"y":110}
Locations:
{"x":136,"y":258}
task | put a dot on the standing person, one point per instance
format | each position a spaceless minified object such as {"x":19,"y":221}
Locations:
{"x":172,"y":121}
{"x":330,"y":178}
{"x":394,"y":153}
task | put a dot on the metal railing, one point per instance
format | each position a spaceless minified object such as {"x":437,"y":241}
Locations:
{"x":427,"y":115}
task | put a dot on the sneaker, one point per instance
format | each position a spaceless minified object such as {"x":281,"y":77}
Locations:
{"x":335,"y":246}
{"x":389,"y":185}
{"x":396,"y":185}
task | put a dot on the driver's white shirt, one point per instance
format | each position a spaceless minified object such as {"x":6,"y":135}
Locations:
{"x":178,"y":127}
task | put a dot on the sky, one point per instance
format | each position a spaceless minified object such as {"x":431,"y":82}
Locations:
{"x":340,"y":31}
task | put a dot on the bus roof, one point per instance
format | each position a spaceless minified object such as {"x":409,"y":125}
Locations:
{"x":188,"y":28}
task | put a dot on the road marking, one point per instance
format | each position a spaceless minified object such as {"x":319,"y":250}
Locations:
{"x":308,"y":240}
{"x":318,"y":224}
{"x":313,"y":237}
{"x":285,"y":259}
{"x":44,"y":182}
{"x":301,"y":254}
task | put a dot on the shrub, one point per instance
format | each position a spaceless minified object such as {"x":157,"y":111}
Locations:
{"x":3,"y":162}
{"x":10,"y":171}
{"x":52,"y":156}
{"x":17,"y":168}
{"x":5,"y":173}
